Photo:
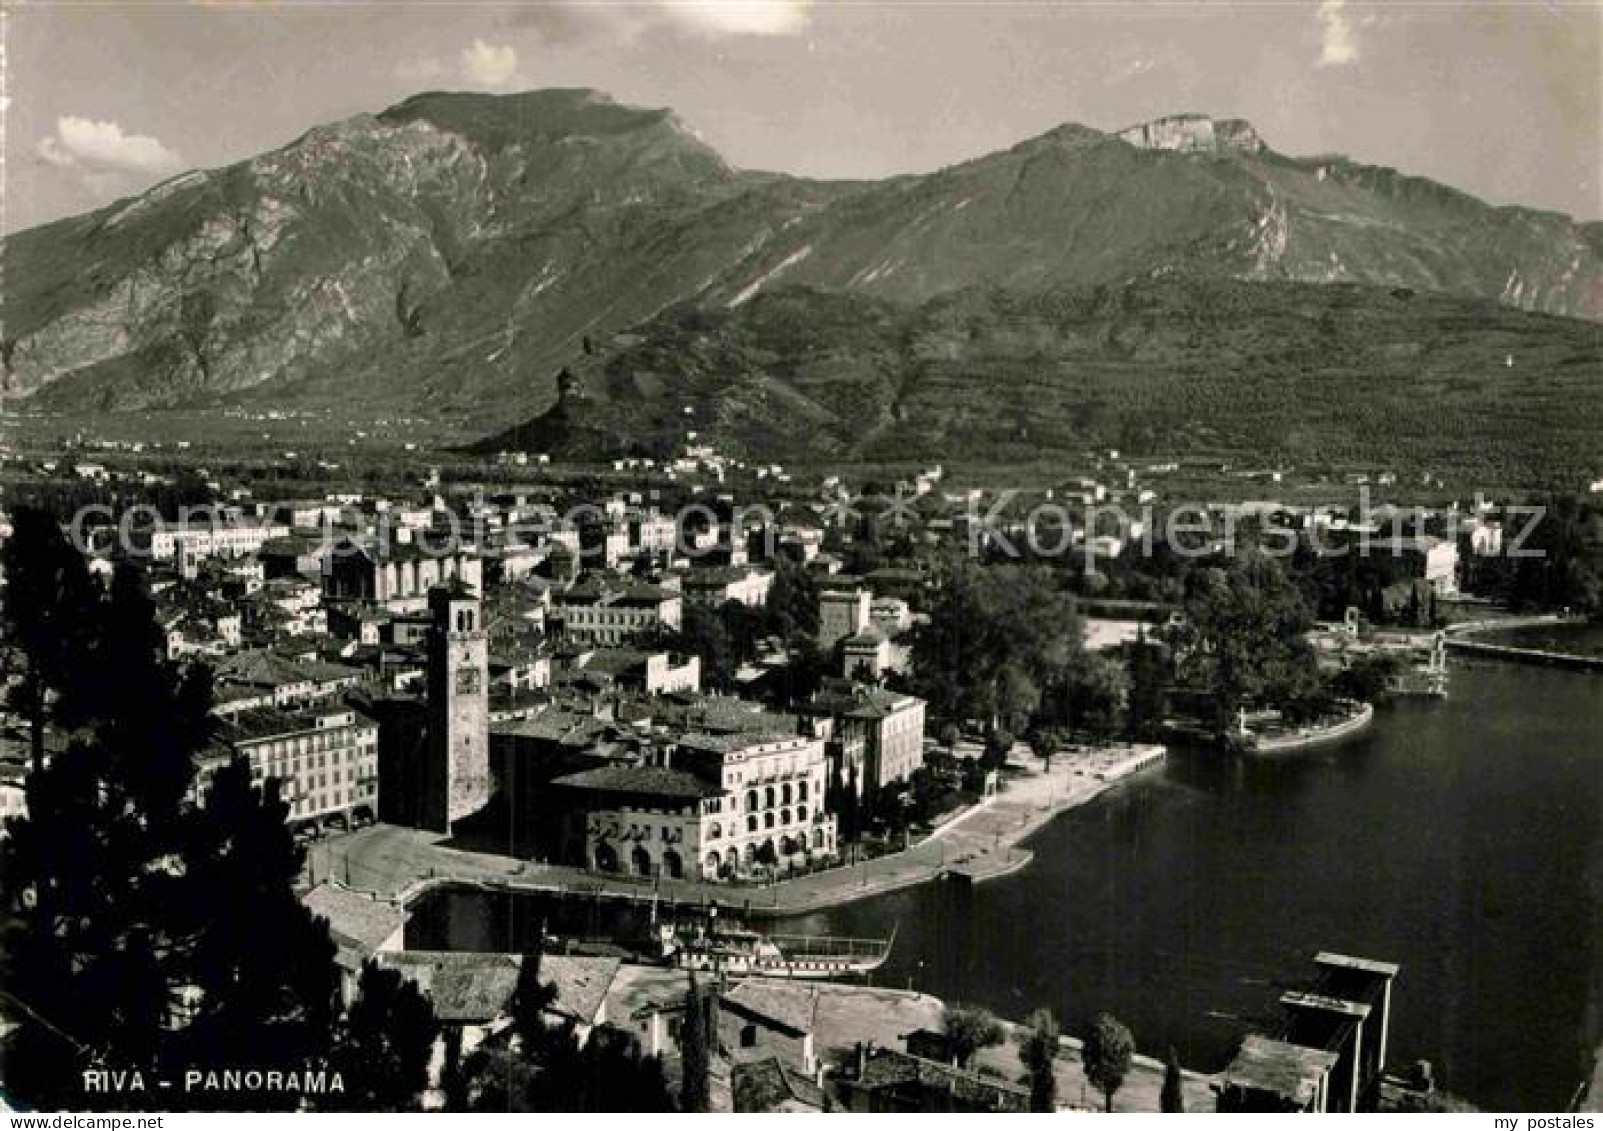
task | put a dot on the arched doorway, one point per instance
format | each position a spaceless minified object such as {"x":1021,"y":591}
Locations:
{"x":640,"y":861}
{"x":672,"y":866}
{"x":606,"y":857}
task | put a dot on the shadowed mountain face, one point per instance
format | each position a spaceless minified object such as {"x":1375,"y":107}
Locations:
{"x":450,"y":254}
{"x":1292,"y":373}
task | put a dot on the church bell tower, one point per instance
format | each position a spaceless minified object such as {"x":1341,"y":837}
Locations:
{"x":459,"y":704}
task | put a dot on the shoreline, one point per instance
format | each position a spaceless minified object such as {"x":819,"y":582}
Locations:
{"x":982,"y":843}
{"x":1310,"y":737}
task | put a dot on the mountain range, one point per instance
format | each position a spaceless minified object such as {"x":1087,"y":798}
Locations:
{"x":452,"y":254}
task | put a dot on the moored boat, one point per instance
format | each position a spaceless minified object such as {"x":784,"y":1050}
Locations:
{"x":724,"y":948}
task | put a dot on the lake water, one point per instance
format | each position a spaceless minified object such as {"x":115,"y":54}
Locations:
{"x":1462,"y":839}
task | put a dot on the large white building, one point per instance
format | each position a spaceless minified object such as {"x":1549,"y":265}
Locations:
{"x":326,"y":758}
{"x":713,"y":805}
{"x":878,"y":734}
{"x":607,"y":612}
{"x":219,"y":537}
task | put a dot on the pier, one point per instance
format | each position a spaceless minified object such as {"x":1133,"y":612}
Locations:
{"x":1526,"y":655}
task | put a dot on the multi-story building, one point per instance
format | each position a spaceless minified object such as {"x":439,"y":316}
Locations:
{"x":1429,"y":559}
{"x":395,"y":570}
{"x":603,"y":611}
{"x":216,"y":537}
{"x":653,"y":534}
{"x":745,"y":585}
{"x":714,"y":805}
{"x":326,"y":758}
{"x":878,"y":735}
{"x":842,"y":613}
{"x":259,"y":678}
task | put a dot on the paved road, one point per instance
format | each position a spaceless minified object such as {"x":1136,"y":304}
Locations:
{"x":983,"y":842}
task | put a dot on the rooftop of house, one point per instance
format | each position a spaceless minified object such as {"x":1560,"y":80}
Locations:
{"x":1263,"y":1064}
{"x":260,"y":667}
{"x":767,"y":1085}
{"x":464,"y":986}
{"x":889,"y":1068}
{"x":719,"y":713}
{"x":790,"y":1005}
{"x":655,"y":781}
{"x":266,"y":722}
{"x":859,"y":700}
{"x":556,"y":724}
{"x":729,"y":743}
{"x":638,"y":991}
{"x":598,"y":591}
{"x":392,"y":550}
{"x":582,"y":983}
{"x":616,"y":661}
{"x":359,"y":923}
{"x":716,"y":577}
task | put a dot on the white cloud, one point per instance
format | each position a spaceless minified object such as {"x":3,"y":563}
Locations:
{"x":102,"y":147}
{"x":489,"y":63}
{"x":564,"y":20}
{"x":740,"y":17}
{"x":1338,"y":42}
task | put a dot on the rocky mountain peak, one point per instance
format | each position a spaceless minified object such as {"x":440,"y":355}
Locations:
{"x":1194,"y":133}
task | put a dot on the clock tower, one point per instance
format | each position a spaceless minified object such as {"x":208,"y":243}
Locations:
{"x":459,"y":706}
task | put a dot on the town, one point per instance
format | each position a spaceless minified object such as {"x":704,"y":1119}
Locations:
{"x":697,"y":686}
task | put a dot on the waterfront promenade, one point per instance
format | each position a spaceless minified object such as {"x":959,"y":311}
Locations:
{"x":1302,"y":738}
{"x":982,"y":842}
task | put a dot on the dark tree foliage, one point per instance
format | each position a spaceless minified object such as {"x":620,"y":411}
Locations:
{"x":531,"y":999}
{"x":262,"y":963}
{"x":51,"y":607}
{"x":384,"y":1044}
{"x":1243,"y":641}
{"x":1366,"y":678}
{"x":997,"y":645}
{"x":545,"y":1068}
{"x":95,"y":874}
{"x":454,"y":1081}
{"x":1107,"y":1051}
{"x":1172,"y":1098}
{"x":1038,"y":1050}
{"x":970,"y":1028}
{"x":704,"y":633}
{"x":1147,"y":703}
{"x":792,"y":605}
{"x":144,"y":933}
{"x":695,"y":1044}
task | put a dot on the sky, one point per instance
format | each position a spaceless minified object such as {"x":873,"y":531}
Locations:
{"x":1503,"y":100}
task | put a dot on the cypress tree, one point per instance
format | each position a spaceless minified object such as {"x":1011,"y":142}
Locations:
{"x":1038,"y":1049}
{"x":1172,"y":1098}
{"x":696,"y":1047}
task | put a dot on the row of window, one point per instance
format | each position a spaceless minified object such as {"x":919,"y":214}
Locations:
{"x":768,"y":798}
{"x":754,"y":824}
{"x":333,"y":799}
{"x":311,"y":744}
